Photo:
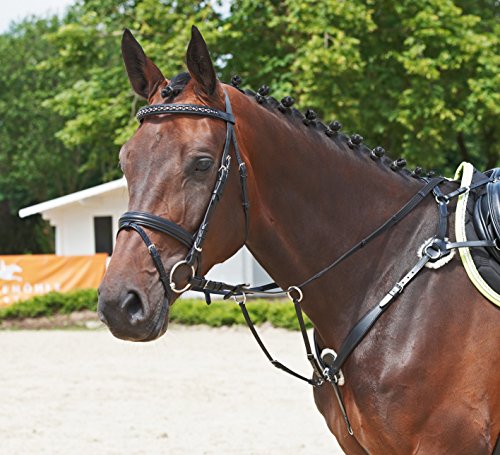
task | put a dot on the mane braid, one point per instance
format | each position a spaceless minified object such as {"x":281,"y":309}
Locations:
{"x":177,"y":84}
{"x":319,"y":126}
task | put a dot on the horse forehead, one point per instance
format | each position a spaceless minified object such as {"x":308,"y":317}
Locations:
{"x":151,"y":134}
{"x":182,"y":132}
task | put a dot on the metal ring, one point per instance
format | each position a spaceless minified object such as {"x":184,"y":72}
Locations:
{"x":442,"y":198}
{"x":435,"y":253}
{"x":172,"y":282}
{"x":243,"y":298}
{"x":294,"y":288}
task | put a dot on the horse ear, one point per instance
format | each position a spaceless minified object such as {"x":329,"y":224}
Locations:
{"x":199,"y":63}
{"x":143,"y":74}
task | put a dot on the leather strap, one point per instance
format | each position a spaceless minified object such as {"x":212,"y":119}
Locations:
{"x":472,"y":244}
{"x":362,"y":327}
{"x":436,"y":248}
{"x":464,"y":189}
{"x":243,"y":175}
{"x":274,"y":362}
{"x":199,"y":284}
{"x":443,"y":213}
{"x":155,"y":255}
{"x":405,"y":210}
{"x":189,"y":109}
{"x":158,"y":224}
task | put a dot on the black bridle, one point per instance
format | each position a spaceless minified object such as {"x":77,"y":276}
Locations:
{"x":326,"y":369}
{"x":194,"y":242}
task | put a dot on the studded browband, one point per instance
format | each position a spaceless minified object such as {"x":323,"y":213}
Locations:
{"x":193,"y":109}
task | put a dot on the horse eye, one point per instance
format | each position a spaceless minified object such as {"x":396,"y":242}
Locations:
{"x":203,"y":164}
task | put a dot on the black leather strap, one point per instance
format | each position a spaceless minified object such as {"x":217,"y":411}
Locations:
{"x":155,"y":255}
{"x":189,"y":109}
{"x":158,"y":224}
{"x":243,"y":174}
{"x":274,"y":362}
{"x":362,"y":327}
{"x":405,"y":210}
{"x":220,"y":288}
{"x":216,"y":287}
{"x":472,"y":244}
{"x":305,"y":337}
{"x":443,"y":213}
{"x":464,"y":189}
{"x":217,"y":193}
{"x":437,"y":248}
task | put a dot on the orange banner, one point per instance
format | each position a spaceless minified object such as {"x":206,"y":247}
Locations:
{"x":22,"y":277}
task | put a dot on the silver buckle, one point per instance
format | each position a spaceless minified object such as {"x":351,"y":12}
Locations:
{"x":224,"y":167}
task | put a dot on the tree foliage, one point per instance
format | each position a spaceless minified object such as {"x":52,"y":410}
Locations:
{"x":419,"y":77}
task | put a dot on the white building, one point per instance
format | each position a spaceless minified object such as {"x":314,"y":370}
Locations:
{"x":86,"y":223}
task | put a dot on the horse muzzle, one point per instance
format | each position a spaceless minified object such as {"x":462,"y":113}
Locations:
{"x":131,"y":317}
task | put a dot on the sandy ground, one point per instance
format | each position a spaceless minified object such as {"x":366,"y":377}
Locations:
{"x":195,"y":391}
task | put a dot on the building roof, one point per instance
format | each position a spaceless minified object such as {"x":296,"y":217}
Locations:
{"x":73,"y":197}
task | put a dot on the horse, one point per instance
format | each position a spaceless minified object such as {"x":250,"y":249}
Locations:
{"x":424,"y":379}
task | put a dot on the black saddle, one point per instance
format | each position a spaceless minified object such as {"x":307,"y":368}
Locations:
{"x":486,"y":214}
{"x":482,"y":222}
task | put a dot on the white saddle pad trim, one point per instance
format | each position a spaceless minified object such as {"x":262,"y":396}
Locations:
{"x":466,"y":170}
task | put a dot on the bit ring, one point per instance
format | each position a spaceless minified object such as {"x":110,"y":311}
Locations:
{"x":172,"y":282}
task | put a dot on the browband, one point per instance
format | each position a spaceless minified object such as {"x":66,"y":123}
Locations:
{"x":191,"y":109}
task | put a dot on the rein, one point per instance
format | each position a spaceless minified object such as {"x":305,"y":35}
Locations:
{"x":327,"y":364}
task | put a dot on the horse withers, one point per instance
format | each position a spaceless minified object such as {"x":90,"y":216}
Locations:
{"x":425,"y":378}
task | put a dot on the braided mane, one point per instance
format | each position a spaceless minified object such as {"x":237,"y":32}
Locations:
{"x":307,"y":120}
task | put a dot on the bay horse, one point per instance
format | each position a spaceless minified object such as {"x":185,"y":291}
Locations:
{"x":425,"y":378}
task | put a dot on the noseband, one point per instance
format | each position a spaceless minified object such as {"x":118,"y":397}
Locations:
{"x":194,"y":242}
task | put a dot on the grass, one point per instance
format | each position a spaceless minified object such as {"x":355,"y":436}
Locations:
{"x":279,"y":313}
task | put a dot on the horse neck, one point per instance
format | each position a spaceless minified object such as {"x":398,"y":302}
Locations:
{"x":312,"y":198}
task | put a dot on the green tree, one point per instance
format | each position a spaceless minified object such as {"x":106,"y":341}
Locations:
{"x":33,"y":163}
{"x":419,"y":77}
{"x":99,"y":107}
{"x":66,"y":104}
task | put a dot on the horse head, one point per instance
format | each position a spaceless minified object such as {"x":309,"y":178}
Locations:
{"x":172,"y":164}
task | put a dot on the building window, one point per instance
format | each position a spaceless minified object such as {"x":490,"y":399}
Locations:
{"x":103,"y":234}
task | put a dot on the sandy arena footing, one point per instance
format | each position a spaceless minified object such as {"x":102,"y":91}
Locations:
{"x":195,"y":391}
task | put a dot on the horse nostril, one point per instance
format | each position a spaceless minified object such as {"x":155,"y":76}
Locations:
{"x":133,"y":307}
{"x":101,"y":316}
